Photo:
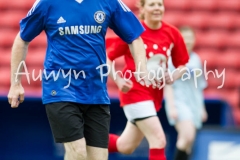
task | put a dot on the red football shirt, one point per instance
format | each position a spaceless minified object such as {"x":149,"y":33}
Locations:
{"x":167,"y":41}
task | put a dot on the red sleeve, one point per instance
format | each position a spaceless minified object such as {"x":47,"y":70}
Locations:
{"x":116,"y":47}
{"x":179,"y":52}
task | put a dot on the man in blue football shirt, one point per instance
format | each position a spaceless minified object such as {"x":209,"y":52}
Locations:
{"x":78,"y":111}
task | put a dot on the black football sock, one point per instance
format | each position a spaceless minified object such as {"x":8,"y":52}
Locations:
{"x":181,"y":155}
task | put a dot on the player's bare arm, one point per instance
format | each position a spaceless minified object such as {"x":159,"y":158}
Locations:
{"x":139,"y":55}
{"x":16,"y":92}
{"x":175,"y":75}
{"x":123,"y":85}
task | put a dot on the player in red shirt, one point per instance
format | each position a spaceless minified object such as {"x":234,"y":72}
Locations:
{"x":140,"y":104}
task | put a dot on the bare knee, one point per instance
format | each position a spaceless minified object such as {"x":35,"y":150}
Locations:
{"x":186,"y":140}
{"x":190,"y":138}
{"x":186,"y":134}
{"x":96,"y":153}
{"x":126,"y":148}
{"x":80,"y":154}
{"x":74,"y":150}
{"x":162,"y":140}
{"x":157,"y":140}
{"x":76,"y":153}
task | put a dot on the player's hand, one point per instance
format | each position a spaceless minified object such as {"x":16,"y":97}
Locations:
{"x":173,"y":113}
{"x":168,"y":78}
{"x":145,"y":79}
{"x":16,"y":95}
{"x":124,"y":85}
{"x":204,"y":115}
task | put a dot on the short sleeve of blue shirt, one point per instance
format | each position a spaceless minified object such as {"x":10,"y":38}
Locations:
{"x":124,"y":23}
{"x":33,"y":24}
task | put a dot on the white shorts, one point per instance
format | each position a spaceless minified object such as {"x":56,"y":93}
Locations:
{"x":139,"y":110}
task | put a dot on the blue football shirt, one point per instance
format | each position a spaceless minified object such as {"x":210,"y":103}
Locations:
{"x":76,"y":32}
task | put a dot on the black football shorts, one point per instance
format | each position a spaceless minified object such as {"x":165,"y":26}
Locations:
{"x":72,"y":121}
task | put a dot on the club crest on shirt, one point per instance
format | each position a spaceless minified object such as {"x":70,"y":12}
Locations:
{"x":99,"y":16}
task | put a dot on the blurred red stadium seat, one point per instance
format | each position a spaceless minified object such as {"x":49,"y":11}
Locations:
{"x":31,"y":80}
{"x":35,"y":57}
{"x":172,"y":18}
{"x":11,"y":19}
{"x":223,"y":20}
{"x":212,"y":93}
{"x":32,"y":91}
{"x":120,"y":63}
{"x":231,"y":79}
{"x":195,"y":19}
{"x":176,"y":5}
{"x":5,"y":77}
{"x":39,"y":42}
{"x":212,"y":38}
{"x":132,"y":4}
{"x":233,"y":39}
{"x":112,"y":88}
{"x":7,"y":37}
{"x":231,"y":96}
{"x":232,"y":5}
{"x":237,"y":21}
{"x":3,"y":4}
{"x":203,"y":19}
{"x":229,"y":59}
{"x":113,"y":92}
{"x":208,"y":57}
{"x":33,"y":85}
{"x":111,"y":84}
{"x":5,"y":57}
{"x":236,"y":115}
{"x":190,"y":5}
{"x":215,"y":81}
{"x":201,"y":5}
{"x":15,"y":4}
